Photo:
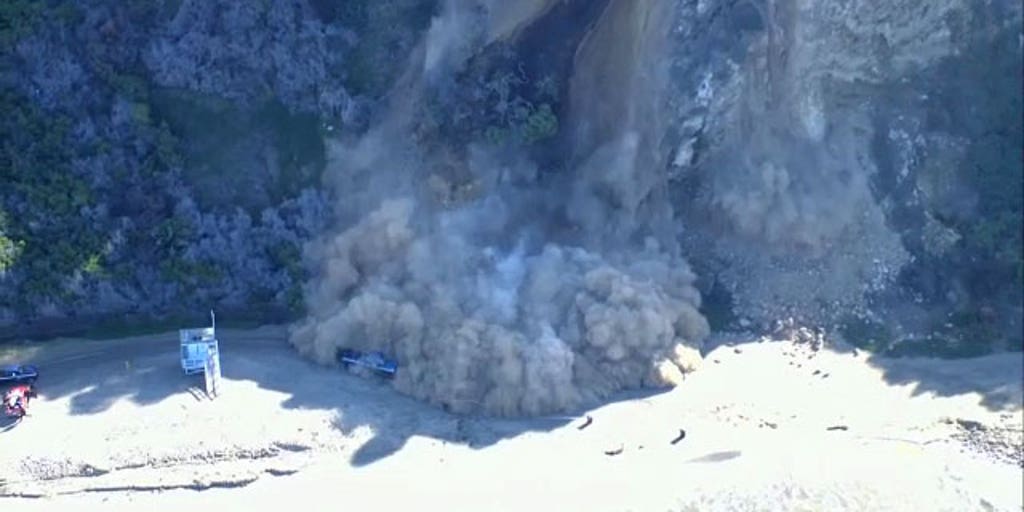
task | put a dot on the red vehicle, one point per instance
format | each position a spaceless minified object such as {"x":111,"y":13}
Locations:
{"x":16,"y":400}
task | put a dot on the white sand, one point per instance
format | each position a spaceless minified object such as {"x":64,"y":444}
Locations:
{"x":897,"y":453}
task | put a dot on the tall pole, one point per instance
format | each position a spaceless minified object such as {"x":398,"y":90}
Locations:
{"x":213,"y":321}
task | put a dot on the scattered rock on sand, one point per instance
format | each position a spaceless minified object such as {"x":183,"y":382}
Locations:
{"x":1001,"y":441}
{"x":970,"y":425}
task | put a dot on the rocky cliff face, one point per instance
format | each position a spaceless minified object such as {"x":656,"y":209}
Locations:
{"x":849,"y":164}
{"x":826,"y":176}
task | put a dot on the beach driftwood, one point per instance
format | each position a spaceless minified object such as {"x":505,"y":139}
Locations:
{"x":586,"y":423}
{"x":680,"y":437}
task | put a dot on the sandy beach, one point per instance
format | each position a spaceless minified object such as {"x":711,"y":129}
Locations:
{"x":769,"y":425}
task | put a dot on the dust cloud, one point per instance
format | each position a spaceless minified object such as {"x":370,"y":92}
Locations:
{"x":497,"y":290}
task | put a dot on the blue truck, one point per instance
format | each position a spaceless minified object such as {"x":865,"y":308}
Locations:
{"x":375,"y":361}
{"x":18,"y":374}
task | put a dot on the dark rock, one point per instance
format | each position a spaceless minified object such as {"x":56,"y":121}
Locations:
{"x":614,"y":452}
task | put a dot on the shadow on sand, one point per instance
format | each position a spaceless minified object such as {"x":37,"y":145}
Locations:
{"x":8,"y":423}
{"x":96,"y":381}
{"x":392,"y":418}
{"x":998,"y":378}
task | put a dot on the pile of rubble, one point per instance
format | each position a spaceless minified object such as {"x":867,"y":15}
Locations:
{"x":1002,"y":442}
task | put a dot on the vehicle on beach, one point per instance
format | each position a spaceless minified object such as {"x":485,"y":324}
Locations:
{"x":18,"y":374}
{"x":375,"y":361}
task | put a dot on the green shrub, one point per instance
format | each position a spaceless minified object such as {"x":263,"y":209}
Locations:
{"x":168,"y":147}
{"x":10,"y":250}
{"x":295,"y":299}
{"x":43,"y":200}
{"x":301,"y":152}
{"x":547,"y":88}
{"x":540,"y":123}
{"x":192,"y":275}
{"x":18,"y":18}
{"x":94,"y":265}
{"x":204,"y":135}
{"x":938,"y":346}
{"x":496,"y":101}
{"x":287,"y":256}
{"x":68,"y":13}
{"x":383,"y":27}
{"x":362,"y":76}
{"x":140,"y":112}
{"x":171,"y":234}
{"x":497,"y":135}
{"x":350,"y":13}
{"x":865,"y":333}
{"x":527,"y":124}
